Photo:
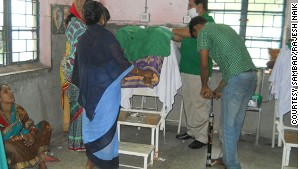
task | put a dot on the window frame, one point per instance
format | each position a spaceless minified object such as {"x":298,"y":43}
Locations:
{"x":7,"y":33}
{"x":244,"y":13}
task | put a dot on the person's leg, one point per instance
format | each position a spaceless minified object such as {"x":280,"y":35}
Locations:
{"x":228,"y":138}
{"x":244,"y":103}
{"x":234,"y":102}
{"x":187,"y":104}
{"x":199,"y":110}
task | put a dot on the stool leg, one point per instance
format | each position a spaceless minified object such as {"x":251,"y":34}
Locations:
{"x":279,"y":136}
{"x":145,"y":162}
{"x":274,"y":125}
{"x":274,"y":132}
{"x":151,"y":157}
{"x":258,"y":127}
{"x":156,"y":141}
{"x":283,"y":157}
{"x":152,"y":136}
{"x":287,"y":159}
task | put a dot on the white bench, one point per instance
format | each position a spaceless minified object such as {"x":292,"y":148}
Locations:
{"x":151,"y":121}
{"x":143,"y":150}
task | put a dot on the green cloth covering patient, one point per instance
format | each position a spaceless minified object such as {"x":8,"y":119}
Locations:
{"x":138,"y":42}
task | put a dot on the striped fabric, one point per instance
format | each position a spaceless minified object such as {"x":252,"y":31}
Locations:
{"x":226,"y":48}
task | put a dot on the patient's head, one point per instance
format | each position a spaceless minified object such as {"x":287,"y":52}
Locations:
{"x":6,"y":95}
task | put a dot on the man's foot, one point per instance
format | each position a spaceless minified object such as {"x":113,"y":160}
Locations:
{"x":218,"y":162}
{"x":183,"y":136}
{"x":196,"y":144}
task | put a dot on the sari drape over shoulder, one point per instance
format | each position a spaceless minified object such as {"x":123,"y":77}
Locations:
{"x":18,"y":154}
{"x":99,"y":68}
{"x":73,"y":32}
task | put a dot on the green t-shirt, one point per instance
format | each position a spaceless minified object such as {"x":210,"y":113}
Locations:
{"x":190,"y":57}
{"x":226,"y":48}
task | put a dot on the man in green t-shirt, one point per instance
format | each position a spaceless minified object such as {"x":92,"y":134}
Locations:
{"x":196,"y":108}
{"x":221,"y":43}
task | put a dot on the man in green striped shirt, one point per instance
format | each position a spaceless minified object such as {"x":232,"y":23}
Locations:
{"x":196,"y":108}
{"x":221,"y":43}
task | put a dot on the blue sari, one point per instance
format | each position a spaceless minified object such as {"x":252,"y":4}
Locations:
{"x":99,"y":67}
{"x":100,"y":134}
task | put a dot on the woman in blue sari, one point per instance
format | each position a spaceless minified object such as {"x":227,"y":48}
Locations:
{"x":99,"y":67}
{"x":25,"y":143}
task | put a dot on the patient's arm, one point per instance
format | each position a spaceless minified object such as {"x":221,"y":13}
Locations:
{"x":182,"y":32}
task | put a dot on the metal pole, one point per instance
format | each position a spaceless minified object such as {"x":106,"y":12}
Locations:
{"x":210,"y":135}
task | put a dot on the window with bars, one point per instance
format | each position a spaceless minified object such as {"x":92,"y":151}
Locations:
{"x":259,"y":22}
{"x":19,"y":31}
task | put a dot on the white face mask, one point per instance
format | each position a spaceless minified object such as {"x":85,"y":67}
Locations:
{"x":193,"y":12}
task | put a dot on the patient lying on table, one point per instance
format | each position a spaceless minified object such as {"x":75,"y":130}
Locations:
{"x":144,"y":48}
{"x":146,"y":73}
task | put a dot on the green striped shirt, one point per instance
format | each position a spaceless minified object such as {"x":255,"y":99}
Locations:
{"x":226,"y":48}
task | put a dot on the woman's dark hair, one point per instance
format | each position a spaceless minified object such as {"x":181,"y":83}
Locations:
{"x":68,"y":19}
{"x":106,"y":14}
{"x":93,"y":11}
{"x":195,"y":21}
{"x":203,"y":2}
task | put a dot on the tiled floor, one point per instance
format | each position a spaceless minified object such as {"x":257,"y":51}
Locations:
{"x":175,"y":154}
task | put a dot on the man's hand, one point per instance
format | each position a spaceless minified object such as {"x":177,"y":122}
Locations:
{"x":217,"y":94}
{"x":218,"y":90}
{"x":206,"y":93}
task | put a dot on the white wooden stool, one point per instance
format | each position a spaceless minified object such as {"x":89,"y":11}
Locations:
{"x":143,"y":150}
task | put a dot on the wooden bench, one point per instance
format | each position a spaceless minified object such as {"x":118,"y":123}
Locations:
{"x":143,"y":150}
